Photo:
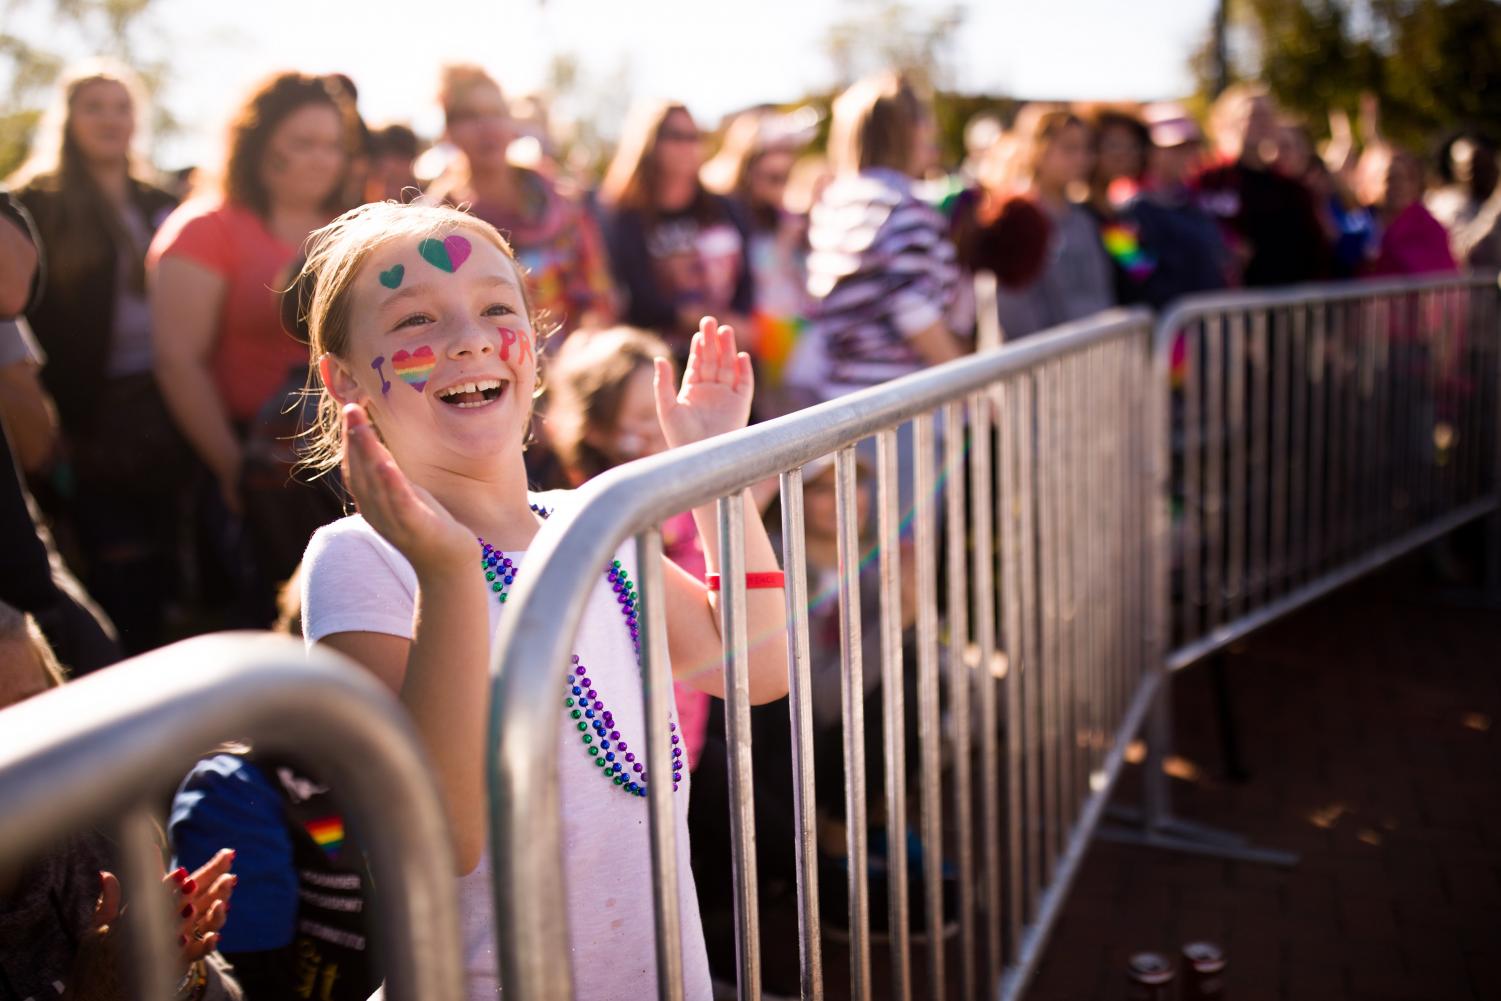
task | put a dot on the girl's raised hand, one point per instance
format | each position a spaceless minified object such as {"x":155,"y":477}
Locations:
{"x":715,"y":396}
{"x":404,"y":514}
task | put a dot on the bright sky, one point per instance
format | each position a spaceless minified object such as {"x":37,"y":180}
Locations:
{"x":716,"y":55}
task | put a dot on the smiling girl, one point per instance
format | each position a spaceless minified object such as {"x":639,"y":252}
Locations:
{"x":426,"y":349}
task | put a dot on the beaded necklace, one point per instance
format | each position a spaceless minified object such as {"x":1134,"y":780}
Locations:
{"x":595,"y":722}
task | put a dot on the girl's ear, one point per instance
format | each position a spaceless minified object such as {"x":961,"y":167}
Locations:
{"x":339,"y":381}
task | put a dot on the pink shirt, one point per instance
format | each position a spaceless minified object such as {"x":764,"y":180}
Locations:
{"x":252,"y":353}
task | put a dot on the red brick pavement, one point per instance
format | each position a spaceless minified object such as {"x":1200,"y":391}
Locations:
{"x":1371,"y":726}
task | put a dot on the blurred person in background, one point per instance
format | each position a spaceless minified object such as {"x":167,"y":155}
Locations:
{"x":881,"y":269}
{"x":679,"y":251}
{"x":1269,"y":220}
{"x":1163,"y":244}
{"x":753,"y":169}
{"x":1413,"y":242}
{"x":1121,"y":142}
{"x":394,"y":150}
{"x":1468,"y":201}
{"x":554,"y":239}
{"x":1347,"y":224}
{"x":116,"y":490}
{"x":33,"y":577}
{"x":222,"y":357}
{"x":1044,"y":248}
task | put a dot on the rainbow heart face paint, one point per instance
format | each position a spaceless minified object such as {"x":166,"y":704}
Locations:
{"x":518,"y":338}
{"x":415,"y":367}
{"x":447,"y":254}
{"x":392,"y":277}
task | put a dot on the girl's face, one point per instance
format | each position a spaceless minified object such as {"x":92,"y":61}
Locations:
{"x":679,"y":150}
{"x":1064,"y":160}
{"x":305,"y":158}
{"x":102,"y":121}
{"x":479,"y":124}
{"x":637,"y":432}
{"x":441,"y":352}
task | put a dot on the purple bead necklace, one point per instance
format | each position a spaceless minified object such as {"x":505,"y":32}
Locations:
{"x":595,"y":722}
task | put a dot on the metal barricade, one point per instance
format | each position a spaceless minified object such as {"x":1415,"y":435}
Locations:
{"x":1313,"y":434}
{"x":103,"y":747}
{"x":1319,"y":432}
{"x":1045,"y":669}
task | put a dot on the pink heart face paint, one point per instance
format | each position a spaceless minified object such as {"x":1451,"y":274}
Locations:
{"x":385,"y":386}
{"x":447,"y":254}
{"x":519,"y":338}
{"x":414,"y":367}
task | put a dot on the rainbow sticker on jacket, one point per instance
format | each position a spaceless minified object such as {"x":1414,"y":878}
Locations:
{"x":328,"y":833}
{"x":1124,"y":247}
{"x":415,"y":367}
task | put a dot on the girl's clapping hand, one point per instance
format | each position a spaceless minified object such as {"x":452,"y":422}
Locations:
{"x":405,"y":514}
{"x":715,"y":396}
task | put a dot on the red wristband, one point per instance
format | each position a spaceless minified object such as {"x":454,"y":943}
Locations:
{"x":753,"y":581}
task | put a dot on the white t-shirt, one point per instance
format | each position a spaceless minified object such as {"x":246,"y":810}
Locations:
{"x":355,"y":581}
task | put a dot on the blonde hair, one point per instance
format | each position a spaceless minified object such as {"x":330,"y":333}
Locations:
{"x":1036,"y":128}
{"x":324,"y":291}
{"x":875,"y":124}
{"x":18,"y":627}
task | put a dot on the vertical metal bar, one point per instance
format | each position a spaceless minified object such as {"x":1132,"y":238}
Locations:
{"x":1193,"y":487}
{"x":1351,"y":338}
{"x":1318,"y":473}
{"x":1066,"y":485}
{"x":732,"y":626}
{"x":149,"y":931}
{"x":1027,"y":445}
{"x":1047,"y":558}
{"x":1281,"y":348}
{"x":1335,"y":348}
{"x":659,"y":795}
{"x":1367,"y":511}
{"x":846,"y":488}
{"x":1235,"y":574}
{"x":1008,"y":506}
{"x":982,"y":512}
{"x":893,"y":710}
{"x":1261,"y":361}
{"x":1400,"y":428}
{"x":929,"y":732}
{"x":800,"y":709}
{"x":1382,"y":443}
{"x":1298,"y":385}
{"x":1215,"y":442}
{"x":955,"y":430}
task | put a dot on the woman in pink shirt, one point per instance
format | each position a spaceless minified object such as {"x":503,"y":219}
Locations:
{"x":1412,"y":241}
{"x":214,"y":270}
{"x":217,"y":261}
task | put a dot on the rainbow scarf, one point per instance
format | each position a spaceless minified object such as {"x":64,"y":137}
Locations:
{"x":328,"y":833}
{"x":1123,"y":244}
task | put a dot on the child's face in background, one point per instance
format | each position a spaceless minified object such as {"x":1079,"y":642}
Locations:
{"x":441,"y":351}
{"x":637,"y":432}
{"x":821,"y":506}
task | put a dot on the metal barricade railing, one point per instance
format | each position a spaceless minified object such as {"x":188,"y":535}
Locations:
{"x":1319,"y":432}
{"x":1045,"y":482}
{"x":1312,"y":435}
{"x":99,"y":749}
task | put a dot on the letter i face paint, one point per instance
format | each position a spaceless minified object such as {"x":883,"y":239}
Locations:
{"x":385,"y":386}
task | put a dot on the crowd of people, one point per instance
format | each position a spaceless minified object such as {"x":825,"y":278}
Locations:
{"x":177,"y":382}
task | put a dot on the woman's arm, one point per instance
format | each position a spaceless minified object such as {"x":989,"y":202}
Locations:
{"x":18,"y":263}
{"x":185,"y":302}
{"x":442,"y":674}
{"x":28,"y":414}
{"x":715,"y":399}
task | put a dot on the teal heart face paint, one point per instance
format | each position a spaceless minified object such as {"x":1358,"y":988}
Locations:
{"x":447,"y":254}
{"x":519,"y":338}
{"x":392,"y":277}
{"x":380,"y":360}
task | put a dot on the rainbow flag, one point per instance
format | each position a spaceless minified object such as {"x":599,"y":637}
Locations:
{"x":1123,"y":245}
{"x":772,"y":341}
{"x":329,"y":833}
